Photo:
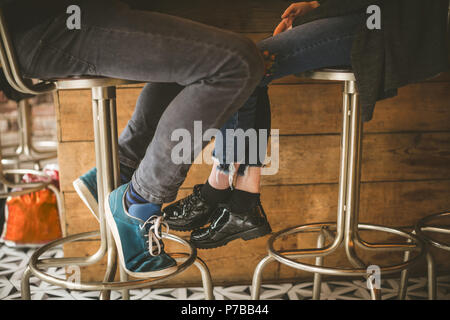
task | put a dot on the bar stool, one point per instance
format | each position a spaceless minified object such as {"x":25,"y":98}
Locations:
{"x":28,"y":150}
{"x":108,"y":178}
{"x":431,"y":224}
{"x":25,"y":150}
{"x":26,"y":153}
{"x":345,"y":232}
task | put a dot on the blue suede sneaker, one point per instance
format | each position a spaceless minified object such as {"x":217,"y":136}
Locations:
{"x":139,"y":244}
{"x":86,"y":187}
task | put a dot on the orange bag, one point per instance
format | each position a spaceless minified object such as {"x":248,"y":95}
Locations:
{"x":32,"y":219}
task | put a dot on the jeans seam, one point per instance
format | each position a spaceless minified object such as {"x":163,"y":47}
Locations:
{"x":90,"y":66}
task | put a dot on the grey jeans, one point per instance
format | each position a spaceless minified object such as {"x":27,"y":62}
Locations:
{"x":214,"y":70}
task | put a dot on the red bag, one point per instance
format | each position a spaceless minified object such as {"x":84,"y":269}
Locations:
{"x":32,"y":219}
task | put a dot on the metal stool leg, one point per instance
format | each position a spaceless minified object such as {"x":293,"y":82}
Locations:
{"x":432,"y":283}
{"x":354,"y":181}
{"x":24,"y":121}
{"x":431,"y":278}
{"x":403,"y":287}
{"x":124,"y":278}
{"x":319,"y":262}
{"x":25,"y":284}
{"x":425,"y":224}
{"x":26,"y":147}
{"x":257,"y":277}
{"x":103,"y":99}
{"x":206,"y":278}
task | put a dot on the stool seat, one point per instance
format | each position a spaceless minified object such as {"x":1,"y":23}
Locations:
{"x":330,"y":74}
{"x":88,"y":82}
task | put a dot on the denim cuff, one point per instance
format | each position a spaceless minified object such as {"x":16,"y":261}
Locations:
{"x":225,"y":167}
{"x":151,"y":195}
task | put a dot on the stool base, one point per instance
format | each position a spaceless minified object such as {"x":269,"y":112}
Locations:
{"x":287,"y":257}
{"x":36,"y":265}
{"x":421,"y":228}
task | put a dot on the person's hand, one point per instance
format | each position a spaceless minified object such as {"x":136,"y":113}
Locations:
{"x":293,"y":11}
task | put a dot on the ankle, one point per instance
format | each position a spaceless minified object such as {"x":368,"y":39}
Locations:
{"x":139,"y":207}
{"x":214,"y":196}
{"x":219,"y":181}
{"x":243,"y":201}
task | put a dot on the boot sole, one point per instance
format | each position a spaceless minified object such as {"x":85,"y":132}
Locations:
{"x":246,"y":235}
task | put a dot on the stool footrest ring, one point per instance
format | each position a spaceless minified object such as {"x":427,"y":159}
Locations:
{"x":287,"y":256}
{"x":35,"y":264}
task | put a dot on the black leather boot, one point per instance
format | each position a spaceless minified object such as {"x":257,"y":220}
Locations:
{"x":189,"y":213}
{"x":228,"y":226}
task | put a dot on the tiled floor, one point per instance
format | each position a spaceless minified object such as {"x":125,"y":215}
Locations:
{"x":13,"y":262}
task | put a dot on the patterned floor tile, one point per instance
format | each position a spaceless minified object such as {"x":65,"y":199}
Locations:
{"x":13,"y":262}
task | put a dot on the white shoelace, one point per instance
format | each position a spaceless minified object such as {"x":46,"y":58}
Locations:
{"x":154,"y":235}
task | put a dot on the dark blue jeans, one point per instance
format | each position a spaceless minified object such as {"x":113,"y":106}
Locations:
{"x":318,"y":44}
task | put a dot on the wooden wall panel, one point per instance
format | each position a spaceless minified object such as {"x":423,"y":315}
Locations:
{"x":296,"y":109}
{"x":314,"y":159}
{"x":384,"y":203}
{"x":235,"y":15}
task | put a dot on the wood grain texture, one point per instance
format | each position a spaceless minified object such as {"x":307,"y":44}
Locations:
{"x":313,"y":159}
{"x":296,"y":109}
{"x":234,"y":15}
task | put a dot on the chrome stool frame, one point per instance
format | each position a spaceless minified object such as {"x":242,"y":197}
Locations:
{"x":345,"y":231}
{"x":26,"y":151}
{"x":423,"y":226}
{"x":27,"y":148}
{"x":108,"y":178}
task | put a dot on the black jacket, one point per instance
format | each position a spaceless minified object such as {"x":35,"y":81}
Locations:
{"x":411,"y":46}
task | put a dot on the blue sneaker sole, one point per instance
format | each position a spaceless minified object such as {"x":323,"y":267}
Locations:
{"x":87,"y":197}
{"x":115,"y":232}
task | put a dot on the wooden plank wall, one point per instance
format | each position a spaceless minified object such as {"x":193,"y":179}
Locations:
{"x":406,"y":155}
